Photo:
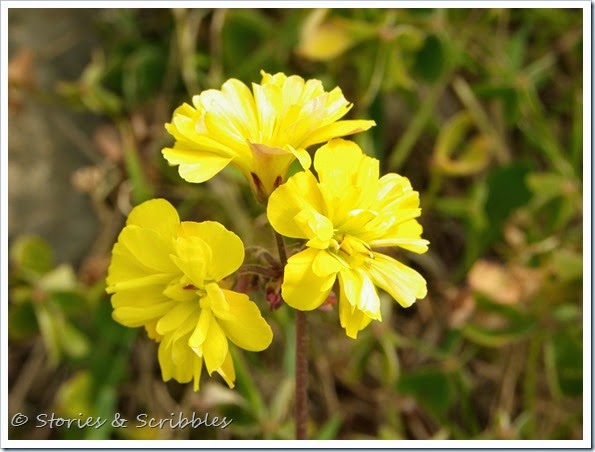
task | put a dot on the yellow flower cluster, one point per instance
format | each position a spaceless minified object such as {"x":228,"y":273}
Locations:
{"x":166,"y":275}
{"x":344,"y":215}
{"x":169,"y":276}
{"x":260,"y":131}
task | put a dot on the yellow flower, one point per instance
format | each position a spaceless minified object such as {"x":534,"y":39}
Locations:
{"x":344,"y":215}
{"x":166,"y":275}
{"x":260,"y":131}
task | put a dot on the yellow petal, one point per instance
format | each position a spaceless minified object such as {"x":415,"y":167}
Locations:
{"x":341,"y":165}
{"x":348,"y":178}
{"x":191,"y":134}
{"x":195,"y":166}
{"x":196,"y":371}
{"x":153,"y":280}
{"x":302,"y":289}
{"x":243,"y":324}
{"x":336,"y":130}
{"x":337,"y":158}
{"x":199,"y":335}
{"x":140,"y":297}
{"x":150,"y":328}
{"x":156,"y":214}
{"x":316,"y":227}
{"x":215,"y":347}
{"x":193,"y":257}
{"x":178,"y":292}
{"x":227,"y":249}
{"x":303,"y":157}
{"x":134,"y":317}
{"x":227,"y":371}
{"x":352,"y":319}
{"x":401,"y":282}
{"x":356,"y":221}
{"x":176,"y":316}
{"x":269,"y":101}
{"x":235,"y":104}
{"x":215,"y":298}
{"x":326,"y":264}
{"x":360,"y":292}
{"x":407,"y":235}
{"x":299,"y":192}
{"x":175,"y":357}
{"x":135,"y":239}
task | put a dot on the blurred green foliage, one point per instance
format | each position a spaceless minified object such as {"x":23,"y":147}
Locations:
{"x":480,"y":108}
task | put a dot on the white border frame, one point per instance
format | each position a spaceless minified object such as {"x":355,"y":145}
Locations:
{"x":588,"y":126}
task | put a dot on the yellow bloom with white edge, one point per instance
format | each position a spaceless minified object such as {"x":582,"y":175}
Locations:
{"x":260,"y":131}
{"x":166,"y":275}
{"x":344,"y":215}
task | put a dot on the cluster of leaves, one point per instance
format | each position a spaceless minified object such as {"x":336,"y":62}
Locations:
{"x":481,"y":109}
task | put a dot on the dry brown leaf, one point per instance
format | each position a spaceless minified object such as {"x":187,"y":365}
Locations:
{"x":108,"y":141}
{"x":509,"y":284}
{"x":21,"y":72}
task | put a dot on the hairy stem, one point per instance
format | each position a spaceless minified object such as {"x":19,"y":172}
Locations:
{"x":255,"y":269}
{"x":301,"y":375}
{"x":301,"y":359}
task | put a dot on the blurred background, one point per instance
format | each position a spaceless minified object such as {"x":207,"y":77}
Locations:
{"x":480,"y":108}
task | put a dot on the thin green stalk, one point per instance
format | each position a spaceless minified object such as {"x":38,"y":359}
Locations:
{"x":483,"y":122}
{"x":141,"y":189}
{"x":405,"y":145}
{"x":530,"y":383}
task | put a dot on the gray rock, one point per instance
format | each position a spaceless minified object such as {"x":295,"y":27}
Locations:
{"x":46,"y":141}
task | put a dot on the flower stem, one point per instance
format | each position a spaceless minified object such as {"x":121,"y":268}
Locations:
{"x":301,"y":375}
{"x":301,"y":358}
{"x":281,"y":248}
{"x":261,"y":270}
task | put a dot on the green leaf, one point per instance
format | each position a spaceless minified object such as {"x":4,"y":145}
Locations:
{"x":61,"y":278}
{"x":330,"y":428}
{"x":516,"y":325}
{"x":567,"y":264}
{"x":247,"y":387}
{"x":432,"y":388}
{"x":49,"y":325}
{"x":105,"y":406}
{"x":506,"y":191}
{"x":547,"y":185}
{"x":22,"y":323}
{"x":327,"y":38}
{"x":568,"y":358}
{"x":505,"y":93}
{"x":515,"y":50}
{"x":473,"y":153}
{"x":431,"y":60}
{"x":143,"y":73}
{"x":245,"y":33}
{"x":282,"y":401}
{"x":32,"y":256}
{"x":70,"y":302}
{"x":74,"y":396}
{"x":74,"y":343}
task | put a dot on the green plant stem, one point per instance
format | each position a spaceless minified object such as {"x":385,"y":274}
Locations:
{"x":301,"y":358}
{"x":404,"y":146}
{"x":141,"y":188}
